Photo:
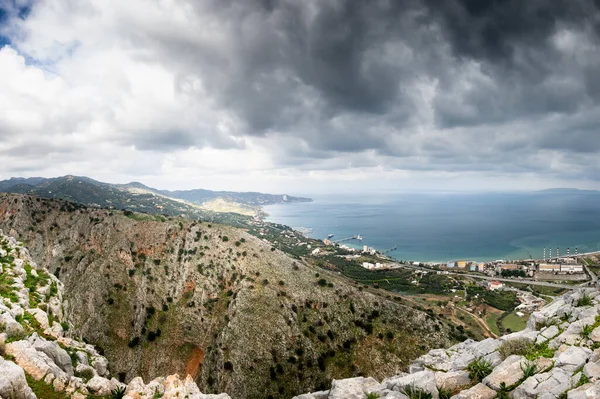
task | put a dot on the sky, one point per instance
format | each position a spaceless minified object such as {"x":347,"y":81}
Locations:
{"x":303,"y":96}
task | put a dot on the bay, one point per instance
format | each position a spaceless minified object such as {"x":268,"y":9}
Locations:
{"x":437,"y":227}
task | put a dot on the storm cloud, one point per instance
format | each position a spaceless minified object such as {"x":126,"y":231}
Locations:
{"x":502,"y":88}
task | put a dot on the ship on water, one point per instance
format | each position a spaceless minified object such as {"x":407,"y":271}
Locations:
{"x":330,"y":235}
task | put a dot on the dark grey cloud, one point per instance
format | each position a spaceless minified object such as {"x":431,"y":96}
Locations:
{"x":455,"y":85}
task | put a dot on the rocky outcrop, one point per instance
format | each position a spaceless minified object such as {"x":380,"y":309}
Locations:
{"x":35,"y":343}
{"x":557,"y":356}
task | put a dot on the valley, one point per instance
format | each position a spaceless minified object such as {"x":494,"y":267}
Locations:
{"x":166,"y":294}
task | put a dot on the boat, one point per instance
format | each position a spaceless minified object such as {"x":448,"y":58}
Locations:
{"x":330,"y":235}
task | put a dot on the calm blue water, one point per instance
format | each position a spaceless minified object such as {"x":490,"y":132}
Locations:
{"x":441,"y":227}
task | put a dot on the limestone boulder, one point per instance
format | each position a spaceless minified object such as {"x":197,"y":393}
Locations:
{"x":12,"y":381}
{"x":101,"y":365}
{"x":508,"y":372}
{"x":313,"y":395}
{"x":572,"y":358}
{"x":586,"y":391}
{"x":353,"y":388}
{"x":452,"y":379}
{"x":60,"y":356}
{"x":544,"y":385}
{"x":35,"y":363}
{"x":423,"y":379}
{"x":479,"y":391}
{"x":100,"y":386}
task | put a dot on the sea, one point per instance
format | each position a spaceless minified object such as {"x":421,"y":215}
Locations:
{"x":440,"y":227}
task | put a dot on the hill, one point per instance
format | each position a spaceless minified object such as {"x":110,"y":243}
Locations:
{"x":140,"y":198}
{"x":169,"y":295}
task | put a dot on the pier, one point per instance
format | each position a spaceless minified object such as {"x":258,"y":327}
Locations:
{"x":354,"y":237}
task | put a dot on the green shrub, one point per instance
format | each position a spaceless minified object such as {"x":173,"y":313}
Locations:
{"x":518,"y":346}
{"x":529,"y":369}
{"x":585,"y":300}
{"x":479,"y":369}
{"x":86,"y":374}
{"x":373,"y":395}
{"x":414,"y":392}
{"x":537,"y":351}
{"x":444,"y":393}
{"x":587,"y":330}
{"x":117,"y":393}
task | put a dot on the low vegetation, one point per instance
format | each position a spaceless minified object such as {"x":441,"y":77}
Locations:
{"x":479,"y":369}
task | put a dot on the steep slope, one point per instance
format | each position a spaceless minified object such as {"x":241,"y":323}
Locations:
{"x":38,"y":356}
{"x":557,"y":356}
{"x":212,"y":301}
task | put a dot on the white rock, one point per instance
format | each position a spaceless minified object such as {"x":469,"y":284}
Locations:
{"x":99,"y":386}
{"x":586,"y":391}
{"x":352,"y":388}
{"x":37,"y":364}
{"x":40,"y":316}
{"x":101,"y":365}
{"x":592,"y":371}
{"x":508,"y":372}
{"x":12,"y":382}
{"x":479,"y":391}
{"x":573,"y":358}
{"x":60,"y":356}
{"x":423,"y":379}
{"x":550,"y":385}
{"x":452,"y":379}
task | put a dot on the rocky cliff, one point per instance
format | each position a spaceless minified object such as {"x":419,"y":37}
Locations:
{"x":160,"y":296}
{"x":557,"y":356}
{"x":39,"y":359}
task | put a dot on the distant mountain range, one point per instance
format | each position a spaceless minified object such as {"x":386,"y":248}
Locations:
{"x":138,"y":197}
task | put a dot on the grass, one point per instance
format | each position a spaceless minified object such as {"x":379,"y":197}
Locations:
{"x":528,"y":369}
{"x":479,"y":369}
{"x":43,"y":390}
{"x":414,"y":392}
{"x":518,"y":346}
{"x":587,"y":330}
{"x":514,"y":322}
{"x":585,"y":300}
{"x":492,"y":322}
{"x":537,"y":351}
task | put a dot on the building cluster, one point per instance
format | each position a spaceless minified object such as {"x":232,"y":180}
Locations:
{"x":467,"y":265}
{"x":559,"y":266}
{"x":374,"y":266}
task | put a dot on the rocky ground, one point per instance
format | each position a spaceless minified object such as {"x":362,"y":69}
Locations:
{"x":557,"y":356}
{"x":37,"y":352}
{"x":159,"y":296}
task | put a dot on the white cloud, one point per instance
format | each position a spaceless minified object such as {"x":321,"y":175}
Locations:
{"x":232,"y":96}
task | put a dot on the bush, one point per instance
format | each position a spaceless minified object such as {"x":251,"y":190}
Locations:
{"x":479,"y":369}
{"x":117,"y":393}
{"x":587,"y":330}
{"x":86,"y":374}
{"x":518,"y":346}
{"x":585,"y":300}
{"x":414,"y":392}
{"x":225,"y":238}
{"x":529,"y":369}
{"x":444,"y":393}
{"x":134,"y":342}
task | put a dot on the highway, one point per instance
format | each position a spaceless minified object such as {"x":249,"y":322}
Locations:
{"x":507,"y":280}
